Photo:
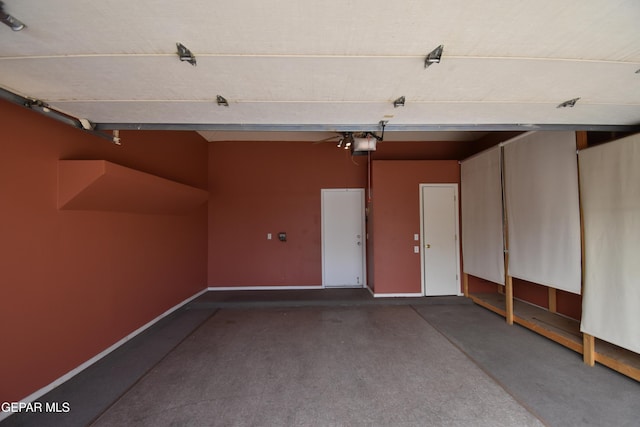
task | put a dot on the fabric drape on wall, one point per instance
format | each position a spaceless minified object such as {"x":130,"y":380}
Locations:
{"x":543,"y":214}
{"x":610,"y":189}
{"x":482,"y":230}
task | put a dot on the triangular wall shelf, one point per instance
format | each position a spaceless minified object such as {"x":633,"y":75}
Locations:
{"x":99,"y":185}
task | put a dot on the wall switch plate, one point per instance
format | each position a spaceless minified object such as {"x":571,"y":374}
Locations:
{"x":416,"y":249}
{"x":268,"y":236}
{"x":416,"y":237}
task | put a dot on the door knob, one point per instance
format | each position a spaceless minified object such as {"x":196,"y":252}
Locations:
{"x":427,"y":246}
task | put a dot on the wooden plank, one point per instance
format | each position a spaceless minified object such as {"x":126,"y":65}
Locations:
{"x":508,"y":282}
{"x":618,"y":366}
{"x":509,"y":300}
{"x":588,"y":356}
{"x":561,"y":329}
{"x":491,"y":302}
{"x":552,"y":335}
{"x":564,"y":331}
{"x":581,"y":140}
{"x":552,"y":300}
{"x":619,"y":359}
{"x":558,"y":328}
{"x":465,"y":284}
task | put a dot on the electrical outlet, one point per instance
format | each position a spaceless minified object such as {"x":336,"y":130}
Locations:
{"x":268,"y":236}
{"x":416,"y":249}
{"x":416,"y":237}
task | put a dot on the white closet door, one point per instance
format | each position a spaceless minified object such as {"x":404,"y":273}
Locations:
{"x":343,"y":239}
{"x":440,"y":265}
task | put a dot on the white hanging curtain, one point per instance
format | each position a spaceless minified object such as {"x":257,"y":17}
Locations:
{"x":610,"y":190}
{"x":543,"y":214}
{"x":482,"y":230}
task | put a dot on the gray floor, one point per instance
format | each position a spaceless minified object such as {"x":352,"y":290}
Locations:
{"x":340,"y":358}
{"x":548,"y":378}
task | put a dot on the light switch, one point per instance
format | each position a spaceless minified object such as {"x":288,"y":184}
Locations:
{"x":416,"y":249}
{"x":416,"y":237}
{"x":268,"y":236}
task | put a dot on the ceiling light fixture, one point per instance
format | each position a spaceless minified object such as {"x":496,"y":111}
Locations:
{"x":221,"y":100}
{"x":434,"y":56}
{"x":570,"y":103}
{"x":185,"y":54}
{"x":9,"y":20}
{"x":399,"y":102}
{"x":347,"y":139}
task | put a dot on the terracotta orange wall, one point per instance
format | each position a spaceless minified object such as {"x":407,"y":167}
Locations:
{"x":422,"y":150}
{"x":267,"y":187}
{"x":478,"y":285}
{"x":569,"y":304}
{"x":566,"y":303}
{"x":395,"y":269}
{"x":531,"y":292}
{"x":73,"y":283}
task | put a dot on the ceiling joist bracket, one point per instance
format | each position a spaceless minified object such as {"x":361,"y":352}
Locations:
{"x":434,"y":56}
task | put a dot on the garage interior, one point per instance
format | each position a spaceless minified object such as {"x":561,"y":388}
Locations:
{"x":154,"y":153}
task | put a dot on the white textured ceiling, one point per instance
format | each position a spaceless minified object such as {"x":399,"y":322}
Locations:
{"x":336,"y":62}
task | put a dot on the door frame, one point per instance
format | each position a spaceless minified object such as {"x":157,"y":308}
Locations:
{"x":457,"y":238}
{"x":362,"y":233}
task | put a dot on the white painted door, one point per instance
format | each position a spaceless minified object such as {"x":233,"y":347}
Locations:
{"x":343,"y":238}
{"x":440,"y":249}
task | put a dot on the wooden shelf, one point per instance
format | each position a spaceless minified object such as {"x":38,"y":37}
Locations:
{"x":553,"y":326}
{"x":619,"y":359}
{"x":99,"y":185}
{"x":494,"y":302}
{"x":562,"y":330}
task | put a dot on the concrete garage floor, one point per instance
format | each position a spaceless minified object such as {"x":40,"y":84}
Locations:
{"x":340,"y":357}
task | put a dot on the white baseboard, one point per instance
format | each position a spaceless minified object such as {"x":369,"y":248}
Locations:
{"x":261,"y":288}
{"x":66,"y":377}
{"x":397,"y":295}
{"x":409,"y":295}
